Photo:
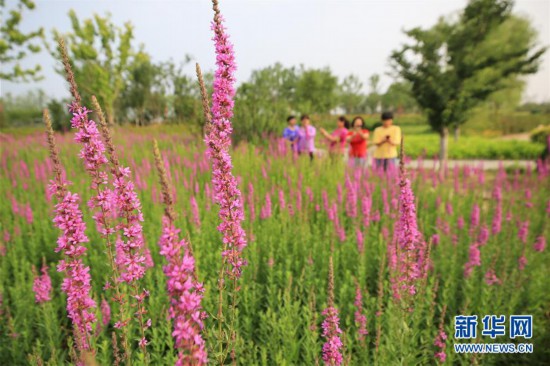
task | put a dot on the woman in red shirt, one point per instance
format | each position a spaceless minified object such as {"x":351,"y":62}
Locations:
{"x":357,"y":138}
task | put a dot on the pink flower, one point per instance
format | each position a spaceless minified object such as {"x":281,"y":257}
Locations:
{"x":218,"y":141}
{"x":540,"y":244}
{"x":439,"y":342}
{"x":491,"y":278}
{"x":474,"y":219}
{"x":195,"y":212}
{"x":523,"y":231}
{"x":105,"y":312}
{"x":331,"y":332}
{"x":474,"y":259}
{"x":360,"y":240}
{"x":266,"y":209}
{"x":522,"y":262}
{"x":360,"y":318}
{"x":185,"y":296}
{"x":42,"y":286}
{"x":76,"y":283}
{"x":411,"y":264}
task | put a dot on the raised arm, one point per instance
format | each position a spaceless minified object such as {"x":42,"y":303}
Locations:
{"x":328,"y":136}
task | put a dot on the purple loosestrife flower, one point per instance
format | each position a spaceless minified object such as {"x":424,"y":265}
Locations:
{"x":411,"y":248}
{"x":360,"y":318}
{"x":42,"y":285}
{"x":185,"y":291}
{"x":523,"y":232}
{"x":105,"y":312}
{"x":282,"y":202}
{"x":331,"y":326}
{"x":540,"y":244}
{"x":68,"y":218}
{"x":474,"y":219}
{"x":491,"y":278}
{"x":496,"y":226}
{"x":218,"y":141}
{"x":331,"y":331}
{"x":351,"y":203}
{"x":266,"y":209}
{"x":185,"y":297}
{"x":522,"y":262}
{"x":131,"y":256}
{"x":483,"y":236}
{"x":439,"y":342}
{"x":473,"y":261}
{"x":460,"y":223}
{"x":195,"y":211}
{"x":76,"y":283}
{"x":449,"y":208}
{"x":360,"y":240}
{"x":366,"y":205}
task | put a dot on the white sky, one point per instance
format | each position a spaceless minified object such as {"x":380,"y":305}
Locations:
{"x":349,"y":36}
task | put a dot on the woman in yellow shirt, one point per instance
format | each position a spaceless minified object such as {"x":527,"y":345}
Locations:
{"x":386,"y":138}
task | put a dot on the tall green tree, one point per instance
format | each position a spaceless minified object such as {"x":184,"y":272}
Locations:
{"x":399,"y":98}
{"x":139,"y":89}
{"x":351,"y":95}
{"x":458,"y":64}
{"x":183,"y":91}
{"x":316,"y":90}
{"x":374,"y":97}
{"x":264,"y":101}
{"x":101,"y":54}
{"x":15,"y":44}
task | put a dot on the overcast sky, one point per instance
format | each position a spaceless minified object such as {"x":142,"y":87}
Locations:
{"x":349,"y":36}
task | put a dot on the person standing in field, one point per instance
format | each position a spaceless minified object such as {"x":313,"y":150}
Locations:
{"x":337,"y":139}
{"x":290,"y":133}
{"x":358,"y":137}
{"x":306,"y":137}
{"x":386,"y":138}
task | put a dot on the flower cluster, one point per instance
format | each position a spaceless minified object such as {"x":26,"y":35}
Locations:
{"x":474,"y":259}
{"x":331,"y":332}
{"x":412,"y":263}
{"x":360,"y":318}
{"x":218,"y":141}
{"x":130,"y":248}
{"x":265,"y":211}
{"x":185,"y":297}
{"x":42,"y":286}
{"x":77,"y":281}
{"x":439,"y":342}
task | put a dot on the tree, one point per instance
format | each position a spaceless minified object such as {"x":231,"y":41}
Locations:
{"x":185,"y":100}
{"x":264,"y":101}
{"x":100,"y":53}
{"x":316,"y":91}
{"x":59,"y":115}
{"x":456,"y":65}
{"x":351,"y":97}
{"x":138,"y":90}
{"x":16,"y":45}
{"x":399,"y":97}
{"x":373,"y":98}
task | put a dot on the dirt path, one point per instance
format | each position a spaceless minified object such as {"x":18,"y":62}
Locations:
{"x":485,"y":164}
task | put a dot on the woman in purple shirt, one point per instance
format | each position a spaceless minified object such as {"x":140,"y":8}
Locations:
{"x":306,"y":137}
{"x":290,"y":133}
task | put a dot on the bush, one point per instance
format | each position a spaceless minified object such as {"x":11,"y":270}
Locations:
{"x":540,"y":134}
{"x":473,"y":147}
